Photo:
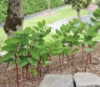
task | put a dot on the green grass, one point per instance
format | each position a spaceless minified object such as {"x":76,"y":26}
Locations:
{"x":56,"y":15}
{"x":62,"y":13}
{"x":93,"y":1}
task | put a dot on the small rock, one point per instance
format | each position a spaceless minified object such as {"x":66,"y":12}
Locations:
{"x":83,"y":79}
{"x":55,"y":80}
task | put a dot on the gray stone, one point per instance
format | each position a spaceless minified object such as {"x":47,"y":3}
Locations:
{"x":56,"y":80}
{"x":86,"y":79}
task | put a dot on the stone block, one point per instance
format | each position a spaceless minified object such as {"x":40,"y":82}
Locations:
{"x":85,"y":79}
{"x":56,"y":80}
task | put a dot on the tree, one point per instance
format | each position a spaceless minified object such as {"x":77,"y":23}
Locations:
{"x":48,"y":3}
{"x":78,"y":5}
{"x":14,"y":19}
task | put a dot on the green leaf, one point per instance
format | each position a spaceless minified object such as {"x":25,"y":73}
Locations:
{"x":47,"y":63}
{"x":19,"y":32}
{"x":54,"y":54}
{"x":75,"y":49}
{"x":39,"y":24}
{"x":23,"y":62}
{"x":28,"y":30}
{"x":24,"y":41}
{"x":68,"y":52}
{"x":36,"y":28}
{"x":34,"y":72}
{"x":57,"y":50}
{"x":9,"y":47}
{"x":88,"y":42}
{"x":32,"y":61}
{"x":58,"y":32}
{"x":34,"y":54}
{"x":60,"y":38}
{"x":66,"y":48}
{"x":22,"y":51}
{"x":93,"y":44}
{"x":43,"y":23}
{"x":89,"y":50}
{"x":70,"y":38}
{"x":48,"y":31}
{"x":93,"y":20}
{"x":13,"y":40}
{"x":8,"y":56}
{"x":76,"y":43}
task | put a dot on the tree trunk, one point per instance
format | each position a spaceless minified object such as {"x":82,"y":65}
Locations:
{"x":14,"y":19}
{"x":48,"y":3}
{"x":78,"y":13}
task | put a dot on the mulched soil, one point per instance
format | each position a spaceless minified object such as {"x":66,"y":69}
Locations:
{"x":70,"y":66}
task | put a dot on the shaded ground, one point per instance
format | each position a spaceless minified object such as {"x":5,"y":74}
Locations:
{"x":7,"y":78}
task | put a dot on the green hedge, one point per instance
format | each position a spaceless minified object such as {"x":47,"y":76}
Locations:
{"x":98,"y":3}
{"x":29,"y":6}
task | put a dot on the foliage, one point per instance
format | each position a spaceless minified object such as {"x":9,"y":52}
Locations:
{"x":29,"y":7}
{"x":78,"y":4}
{"x":98,"y":3}
{"x":28,"y":47}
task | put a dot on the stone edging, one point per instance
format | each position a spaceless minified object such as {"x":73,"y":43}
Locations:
{"x":80,"y":79}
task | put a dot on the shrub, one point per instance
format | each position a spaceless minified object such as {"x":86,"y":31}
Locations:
{"x":29,"y":6}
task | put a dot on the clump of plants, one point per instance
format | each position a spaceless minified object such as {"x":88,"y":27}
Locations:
{"x":29,"y":50}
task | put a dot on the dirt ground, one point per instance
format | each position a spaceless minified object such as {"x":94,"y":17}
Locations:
{"x":7,"y":78}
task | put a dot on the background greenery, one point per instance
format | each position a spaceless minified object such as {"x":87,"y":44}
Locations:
{"x":29,"y":6}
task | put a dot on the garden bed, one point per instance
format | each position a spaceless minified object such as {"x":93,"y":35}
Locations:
{"x":7,"y":78}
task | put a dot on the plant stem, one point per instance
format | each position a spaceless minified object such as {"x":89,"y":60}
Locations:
{"x":22,"y":72}
{"x":67,"y":58}
{"x":60,"y":62}
{"x":86,"y":62}
{"x":82,"y":54}
{"x":90,"y":54}
{"x":90,"y":57}
{"x":26,"y":72}
{"x":63,"y":59}
{"x":16,"y":71}
{"x":40,"y":68}
{"x":49,"y":58}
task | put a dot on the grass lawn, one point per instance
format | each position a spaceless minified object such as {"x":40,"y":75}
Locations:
{"x":54,"y":16}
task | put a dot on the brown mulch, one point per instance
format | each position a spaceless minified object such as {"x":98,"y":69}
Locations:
{"x":70,"y":66}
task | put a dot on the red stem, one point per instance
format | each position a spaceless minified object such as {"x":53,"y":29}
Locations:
{"x":63,"y":58}
{"x":61,"y":65}
{"x":67,"y":58}
{"x":16,"y":71}
{"x":40,"y":68}
{"x":27,"y":73}
{"x":49,"y":58}
{"x":86,"y":62}
{"x":60,"y":60}
{"x":90,"y":57}
{"x":23,"y":73}
{"x":82,"y":54}
{"x":90,"y":54}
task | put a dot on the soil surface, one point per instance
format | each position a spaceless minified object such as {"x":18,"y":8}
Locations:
{"x":70,"y":66}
